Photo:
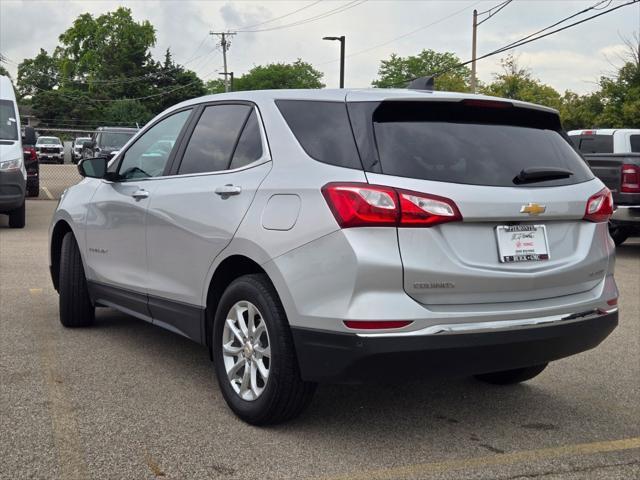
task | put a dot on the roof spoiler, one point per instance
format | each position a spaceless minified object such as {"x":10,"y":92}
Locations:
{"x":422,"y":83}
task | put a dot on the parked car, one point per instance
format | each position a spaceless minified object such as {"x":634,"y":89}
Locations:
{"x":76,"y":148}
{"x":614,"y":157}
{"x":107,"y":141}
{"x":50,"y":150}
{"x":31,"y":163}
{"x":312,"y":236}
{"x":13,"y":176}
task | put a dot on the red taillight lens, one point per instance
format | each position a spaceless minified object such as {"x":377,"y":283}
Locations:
{"x":361,"y":204}
{"x":365,"y":205}
{"x":599,"y":207}
{"x":380,"y":325}
{"x":630,"y":179}
{"x":31,"y":152}
{"x":422,"y":210}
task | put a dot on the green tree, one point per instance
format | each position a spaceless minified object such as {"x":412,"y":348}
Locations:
{"x":580,"y":111}
{"x":298,"y":74}
{"x":107,"y":53}
{"x":517,"y":83}
{"x":621,"y":94}
{"x":176,"y":83}
{"x":37,"y":74}
{"x":129,"y":112}
{"x":4,"y":71}
{"x":396,"y":71}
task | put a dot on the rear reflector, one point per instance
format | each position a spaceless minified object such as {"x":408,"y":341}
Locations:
{"x":372,"y":325}
{"x":599,"y":207}
{"x":612,"y":302}
{"x":365,"y":205}
{"x":630,"y":179}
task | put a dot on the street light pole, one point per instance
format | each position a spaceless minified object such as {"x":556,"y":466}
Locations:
{"x":341,"y":39}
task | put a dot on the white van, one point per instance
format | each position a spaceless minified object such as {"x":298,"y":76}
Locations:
{"x":13,"y":175}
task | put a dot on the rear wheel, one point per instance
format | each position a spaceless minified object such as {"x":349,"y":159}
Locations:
{"x":253,"y":354}
{"x":76,"y":309}
{"x":618,"y":234}
{"x":17,"y":217}
{"x":510,"y":377}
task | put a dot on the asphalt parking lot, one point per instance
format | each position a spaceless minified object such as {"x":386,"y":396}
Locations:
{"x":124,"y":399}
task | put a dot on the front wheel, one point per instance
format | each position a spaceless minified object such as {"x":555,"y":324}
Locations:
{"x":510,"y":377}
{"x":76,"y":308}
{"x":254,"y":356}
{"x":17,"y":217}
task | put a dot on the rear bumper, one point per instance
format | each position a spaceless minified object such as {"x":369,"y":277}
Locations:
{"x":351,"y":358}
{"x":627,"y":215}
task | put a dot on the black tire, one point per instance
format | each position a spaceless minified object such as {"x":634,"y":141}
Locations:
{"x":76,"y":309}
{"x":285,"y":394}
{"x":34,"y":191}
{"x":17,"y":217}
{"x":618,"y":234}
{"x":510,"y":377}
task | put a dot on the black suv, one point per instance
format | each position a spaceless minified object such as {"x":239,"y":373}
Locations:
{"x":107,"y":141}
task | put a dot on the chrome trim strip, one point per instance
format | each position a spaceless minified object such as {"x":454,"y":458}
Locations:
{"x":627,"y":206}
{"x":453,"y":328}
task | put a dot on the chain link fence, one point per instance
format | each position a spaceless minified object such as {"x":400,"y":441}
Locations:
{"x":55,"y":178}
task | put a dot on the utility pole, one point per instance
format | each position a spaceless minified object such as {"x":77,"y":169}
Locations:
{"x":230,"y":75}
{"x":225,"y":43}
{"x":473,"y":52}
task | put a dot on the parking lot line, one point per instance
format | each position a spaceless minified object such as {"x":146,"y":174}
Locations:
{"x":47,"y":192}
{"x":524,"y":456}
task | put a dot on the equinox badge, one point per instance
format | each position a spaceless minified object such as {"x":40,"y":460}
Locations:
{"x":533,"y":209}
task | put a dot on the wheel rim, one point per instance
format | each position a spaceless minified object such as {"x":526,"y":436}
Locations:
{"x":246,"y":350}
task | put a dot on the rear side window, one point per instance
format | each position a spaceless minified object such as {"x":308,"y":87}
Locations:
{"x":595,"y":143}
{"x":472,"y":145}
{"x":249,"y":148}
{"x":322,"y":130}
{"x":214,"y":139}
{"x":635,"y":143}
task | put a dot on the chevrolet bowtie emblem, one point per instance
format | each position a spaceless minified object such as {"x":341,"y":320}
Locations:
{"x":533,"y":209}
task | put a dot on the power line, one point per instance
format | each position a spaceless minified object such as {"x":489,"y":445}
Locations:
{"x":282,"y":16}
{"x":524,"y":40}
{"x":497,"y":8}
{"x":359,"y":52}
{"x":334,"y":11}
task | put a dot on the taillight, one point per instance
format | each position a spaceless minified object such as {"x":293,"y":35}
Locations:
{"x":361,"y":204}
{"x":422,"y":210}
{"x":599,"y":207}
{"x":365,"y":205}
{"x":376,"y":325}
{"x":630,"y":179}
{"x":31,"y":152}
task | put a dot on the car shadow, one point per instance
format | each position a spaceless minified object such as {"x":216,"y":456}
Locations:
{"x":374,"y":412}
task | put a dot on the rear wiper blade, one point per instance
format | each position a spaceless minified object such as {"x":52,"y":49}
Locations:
{"x":541,"y":174}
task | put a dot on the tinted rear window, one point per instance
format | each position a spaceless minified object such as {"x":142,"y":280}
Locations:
{"x":595,"y":143}
{"x":322,"y":130}
{"x":635,"y":143}
{"x":472,"y":145}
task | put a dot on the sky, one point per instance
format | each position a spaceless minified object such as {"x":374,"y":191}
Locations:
{"x":573,"y":59}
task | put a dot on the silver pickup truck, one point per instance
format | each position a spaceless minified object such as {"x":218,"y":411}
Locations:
{"x":614,"y":157}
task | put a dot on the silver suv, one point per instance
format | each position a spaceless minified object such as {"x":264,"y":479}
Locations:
{"x":345,"y":236}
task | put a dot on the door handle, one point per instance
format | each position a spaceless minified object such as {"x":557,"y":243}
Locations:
{"x":140,"y":194}
{"x":228,"y":190}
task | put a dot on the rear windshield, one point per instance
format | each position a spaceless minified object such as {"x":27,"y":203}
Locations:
{"x":8,"y":121}
{"x":472,"y":144}
{"x":115,"y":139}
{"x":594,"y":143}
{"x":42,"y":140}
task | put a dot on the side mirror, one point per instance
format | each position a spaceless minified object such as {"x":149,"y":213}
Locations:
{"x":29,"y":137}
{"x":89,"y":144}
{"x":93,"y":167}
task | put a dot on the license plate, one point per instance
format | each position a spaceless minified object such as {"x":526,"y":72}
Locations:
{"x":522,"y":243}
